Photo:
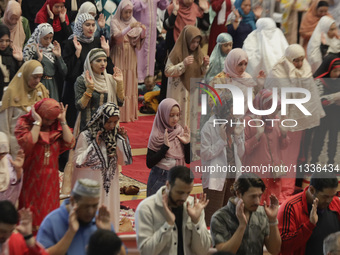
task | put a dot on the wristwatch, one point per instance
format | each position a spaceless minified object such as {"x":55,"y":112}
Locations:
{"x":37,"y":123}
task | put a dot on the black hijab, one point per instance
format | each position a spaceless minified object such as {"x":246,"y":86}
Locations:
{"x":7,"y":55}
{"x":330,"y":62}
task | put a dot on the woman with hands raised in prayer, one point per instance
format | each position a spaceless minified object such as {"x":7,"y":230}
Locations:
{"x":169,"y":144}
{"x":43,"y":134}
{"x":96,"y":87}
{"x":53,"y":12}
{"x":96,"y":156}
{"x":75,"y":53}
{"x":10,"y":58}
{"x":265,"y":142}
{"x":128,"y":35}
{"x":186,"y":61}
{"x":40,"y":47}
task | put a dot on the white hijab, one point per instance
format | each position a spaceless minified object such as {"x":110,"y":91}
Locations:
{"x":314,"y":55}
{"x":264,"y":46}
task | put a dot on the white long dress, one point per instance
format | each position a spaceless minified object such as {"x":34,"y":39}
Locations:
{"x":91,"y":161}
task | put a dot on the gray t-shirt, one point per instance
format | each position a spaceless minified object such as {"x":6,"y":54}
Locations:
{"x":224,"y":224}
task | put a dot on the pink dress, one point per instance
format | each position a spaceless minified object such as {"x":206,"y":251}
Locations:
{"x":267,"y":151}
{"x":146,"y":13}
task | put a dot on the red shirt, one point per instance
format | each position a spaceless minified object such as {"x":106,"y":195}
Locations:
{"x":17,"y":246}
{"x":294,"y":225}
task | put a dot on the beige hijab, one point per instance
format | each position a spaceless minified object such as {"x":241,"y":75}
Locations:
{"x":181,"y":51}
{"x":19,"y":94}
{"x":18,"y":35}
{"x":285,"y":74}
{"x":4,"y":171}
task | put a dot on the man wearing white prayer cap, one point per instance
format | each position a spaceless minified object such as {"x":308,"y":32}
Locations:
{"x":68,"y":228}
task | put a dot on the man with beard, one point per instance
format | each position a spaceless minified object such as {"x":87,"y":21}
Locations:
{"x":22,"y":243}
{"x":309,"y":217}
{"x":67,"y":230}
{"x":171,"y":221}
{"x":242,"y":226}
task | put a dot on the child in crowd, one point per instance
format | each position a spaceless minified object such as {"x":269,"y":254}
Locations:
{"x":148,"y":94}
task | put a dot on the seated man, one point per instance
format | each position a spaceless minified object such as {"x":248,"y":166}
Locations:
{"x":68,"y":228}
{"x":22,"y":243}
{"x":171,"y":221}
{"x":307,"y":218}
{"x":331,"y":245}
{"x":242,"y":226}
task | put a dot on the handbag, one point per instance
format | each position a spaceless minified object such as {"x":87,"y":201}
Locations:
{"x":124,"y":154}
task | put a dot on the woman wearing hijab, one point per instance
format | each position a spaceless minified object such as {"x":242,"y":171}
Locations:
{"x":10,"y":58}
{"x":96,"y":87}
{"x":43,"y":134}
{"x":264,"y":144}
{"x":185,"y":61}
{"x":96,"y":156}
{"x":145,"y":11}
{"x":54,"y":13}
{"x":241,"y":22}
{"x":224,"y":44}
{"x":10,"y":171}
{"x":102,"y":27}
{"x":222,"y":8}
{"x":75,"y":52}
{"x":325,"y":39}
{"x":24,"y":90}
{"x":234,"y":72}
{"x":317,"y":10}
{"x":221,"y":145}
{"x":264,"y":46}
{"x":179,"y":14}
{"x":50,"y":57}
{"x":327,"y":80}
{"x":18,"y":25}
{"x":169,"y":144}
{"x":127,"y":36}
{"x":293,"y":70}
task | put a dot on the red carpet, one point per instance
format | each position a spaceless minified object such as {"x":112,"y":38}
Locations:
{"x":138,"y":169}
{"x":132,"y":204}
{"x":139,"y":131}
{"x":140,"y":172}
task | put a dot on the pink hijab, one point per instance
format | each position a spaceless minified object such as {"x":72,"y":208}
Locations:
{"x":161,"y":123}
{"x":119,"y":23}
{"x":233,"y":58}
{"x":18,"y":35}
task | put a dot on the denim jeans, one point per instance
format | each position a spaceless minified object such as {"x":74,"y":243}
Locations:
{"x":157,"y":179}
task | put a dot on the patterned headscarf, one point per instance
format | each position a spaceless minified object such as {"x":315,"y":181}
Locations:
{"x":78,"y":28}
{"x":97,"y":122}
{"x":30,"y":48}
{"x":86,"y":7}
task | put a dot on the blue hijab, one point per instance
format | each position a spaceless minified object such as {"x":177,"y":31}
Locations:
{"x":217,"y":57}
{"x":249,"y":18}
